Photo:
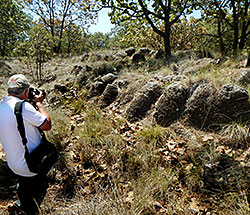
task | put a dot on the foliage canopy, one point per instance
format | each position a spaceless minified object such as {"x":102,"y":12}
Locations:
{"x":13,"y":26}
{"x":160,"y":15}
{"x":59,"y":15}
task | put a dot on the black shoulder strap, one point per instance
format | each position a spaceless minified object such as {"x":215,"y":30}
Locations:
{"x":19,"y":118}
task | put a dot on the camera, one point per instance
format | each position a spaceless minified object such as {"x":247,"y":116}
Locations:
{"x":33,"y":92}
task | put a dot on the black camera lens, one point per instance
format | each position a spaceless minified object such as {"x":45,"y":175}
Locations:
{"x":33,"y":92}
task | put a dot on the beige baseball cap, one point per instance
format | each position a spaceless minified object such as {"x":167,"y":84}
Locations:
{"x":18,"y":81}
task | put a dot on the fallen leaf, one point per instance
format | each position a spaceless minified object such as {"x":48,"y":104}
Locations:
{"x":207,"y":138}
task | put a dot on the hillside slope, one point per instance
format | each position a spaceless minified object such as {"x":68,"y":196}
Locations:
{"x":115,"y":164}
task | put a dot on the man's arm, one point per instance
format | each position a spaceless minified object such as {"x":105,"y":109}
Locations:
{"x":47,"y":124}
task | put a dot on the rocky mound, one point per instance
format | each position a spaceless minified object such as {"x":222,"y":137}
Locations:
{"x":130,"y":94}
{"x":201,"y":104}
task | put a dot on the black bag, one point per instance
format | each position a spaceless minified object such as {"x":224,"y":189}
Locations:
{"x":44,"y":156}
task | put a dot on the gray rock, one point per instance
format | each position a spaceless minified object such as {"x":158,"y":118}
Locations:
{"x":96,"y":89}
{"x":107,"y":57}
{"x":109,"y":95}
{"x":209,"y":107}
{"x":171,"y":104}
{"x":103,"y":69}
{"x":85,"y":57}
{"x":191,"y":67}
{"x":159,"y":54}
{"x":76,"y":69}
{"x":130,"y":51}
{"x":244,"y":60}
{"x":143,"y":101}
{"x":138,"y":57}
{"x":171,"y":78}
{"x":5,"y":69}
{"x":229,"y":101}
{"x":81,"y":79}
{"x":109,"y":78}
{"x":120,"y":55}
{"x":97,"y":56}
{"x":245,"y":77}
{"x":88,"y":68}
{"x":83,"y":76}
{"x":121,"y":83}
{"x":60,"y":88}
{"x":144,"y":51}
{"x":199,"y":106}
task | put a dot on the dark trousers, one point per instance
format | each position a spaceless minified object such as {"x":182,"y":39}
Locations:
{"x":31,"y":192}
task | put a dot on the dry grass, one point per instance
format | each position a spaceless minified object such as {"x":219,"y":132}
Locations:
{"x":122,"y":168}
{"x":236,"y":134}
{"x":110,"y":166}
{"x":153,"y":171}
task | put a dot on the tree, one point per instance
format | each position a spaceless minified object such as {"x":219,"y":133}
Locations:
{"x":73,"y":39}
{"x":136,"y":33}
{"x":13,"y":25}
{"x":38,"y":48}
{"x":156,"y":13}
{"x":97,"y":41}
{"x":214,"y":22}
{"x":232,"y":16}
{"x":188,"y":34}
{"x":58,"y":15}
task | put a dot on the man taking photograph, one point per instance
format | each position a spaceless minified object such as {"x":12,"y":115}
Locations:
{"x":32,"y":187}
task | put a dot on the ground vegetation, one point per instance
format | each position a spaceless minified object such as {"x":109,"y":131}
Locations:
{"x":113,"y":166}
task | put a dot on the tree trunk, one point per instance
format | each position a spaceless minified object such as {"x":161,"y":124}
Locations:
{"x":245,"y":25}
{"x":2,"y":49}
{"x":235,"y":28}
{"x":248,"y":60}
{"x":37,"y":70}
{"x":2,"y":53}
{"x":167,"y":45}
{"x":69,"y":47}
{"x":40,"y":70}
{"x":236,"y":38}
{"x":222,"y":45}
{"x":242,"y":40}
{"x":59,"y":46}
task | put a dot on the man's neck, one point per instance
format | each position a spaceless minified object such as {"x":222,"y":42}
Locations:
{"x":19,"y":97}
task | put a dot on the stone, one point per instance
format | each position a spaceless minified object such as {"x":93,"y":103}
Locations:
{"x":143,"y":101}
{"x":108,"y":78}
{"x":199,"y":106}
{"x":138,"y":57}
{"x":245,"y":77}
{"x":96,"y":89}
{"x":171,"y":104}
{"x":130,"y":51}
{"x":60,"y":88}
{"x":109,"y":95}
{"x":209,"y":107}
{"x":160,"y":54}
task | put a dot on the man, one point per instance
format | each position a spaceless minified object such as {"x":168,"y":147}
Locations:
{"x":31,"y":187}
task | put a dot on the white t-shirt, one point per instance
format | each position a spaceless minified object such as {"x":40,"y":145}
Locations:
{"x":10,"y":136}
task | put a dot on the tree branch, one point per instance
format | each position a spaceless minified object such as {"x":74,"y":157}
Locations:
{"x":146,"y":13}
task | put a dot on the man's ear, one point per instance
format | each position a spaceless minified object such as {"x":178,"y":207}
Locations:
{"x":25,"y":95}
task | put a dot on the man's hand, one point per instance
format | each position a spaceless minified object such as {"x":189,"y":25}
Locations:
{"x":39,"y":98}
